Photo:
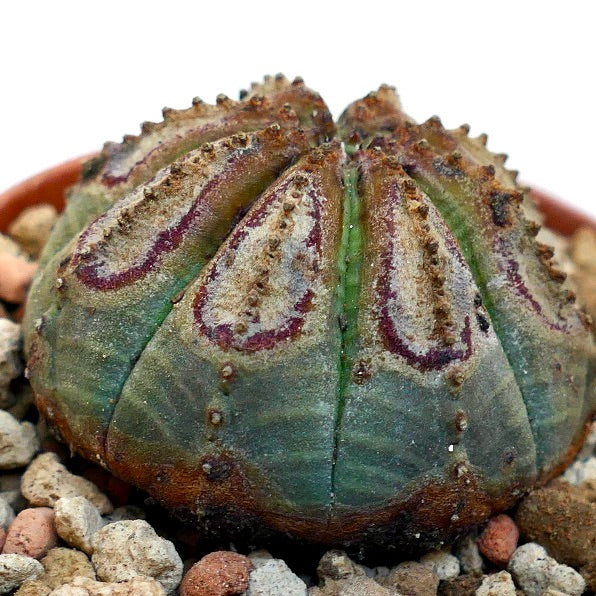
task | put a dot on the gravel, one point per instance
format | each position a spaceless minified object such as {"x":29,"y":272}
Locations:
{"x":32,"y":533}
{"x":18,"y":442}
{"x":443,"y":563}
{"x":77,"y":521}
{"x":220,"y":573}
{"x":497,"y":584}
{"x":11,"y":363}
{"x":47,"y":480}
{"x":61,"y":566}
{"x":15,"y":569}
{"x":31,"y":229}
{"x":82,"y":586}
{"x":6,"y":514}
{"x":127,"y":549}
{"x":412,"y":577}
{"x":46,"y":504}
{"x":274,"y":577}
{"x":499,"y":539}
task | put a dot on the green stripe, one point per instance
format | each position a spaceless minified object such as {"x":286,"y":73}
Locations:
{"x":348,"y":295}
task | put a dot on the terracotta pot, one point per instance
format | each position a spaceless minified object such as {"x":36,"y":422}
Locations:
{"x":561,"y":216}
{"x":50,"y":186}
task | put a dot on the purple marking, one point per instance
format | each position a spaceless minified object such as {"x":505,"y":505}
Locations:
{"x":166,"y":241}
{"x":434,"y":358}
{"x":516,"y":281}
{"x":111,"y":180}
{"x":252,"y":220}
{"x":224,"y":335}
{"x":452,"y":246}
{"x":200,"y":134}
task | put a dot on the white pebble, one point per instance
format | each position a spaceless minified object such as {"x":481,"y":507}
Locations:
{"x":335,"y":564}
{"x":567,"y":580}
{"x":531,"y":567}
{"x":47,"y":480}
{"x":77,"y":520}
{"x":11,"y":364}
{"x":6,"y":514}
{"x":443,"y":563}
{"x":260,"y":557}
{"x":497,"y":584}
{"x":10,"y":491}
{"x":127,"y":549}
{"x":82,"y":586}
{"x":470,"y":559}
{"x":582,"y":469}
{"x":18,"y":442}
{"x":274,"y":577}
{"x":15,"y":569}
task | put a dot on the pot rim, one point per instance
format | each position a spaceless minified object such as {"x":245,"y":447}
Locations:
{"x":47,"y":186}
{"x":50,"y":186}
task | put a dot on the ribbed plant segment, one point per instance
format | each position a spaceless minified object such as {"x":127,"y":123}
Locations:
{"x":347,"y":334}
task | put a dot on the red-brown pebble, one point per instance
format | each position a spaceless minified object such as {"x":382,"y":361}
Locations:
{"x":221,"y":573}
{"x":32,"y":533}
{"x":562,"y":519}
{"x":16,"y":275}
{"x":499,"y":539}
{"x":2,"y":538}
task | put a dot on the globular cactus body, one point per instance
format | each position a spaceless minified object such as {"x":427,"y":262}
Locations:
{"x":254,"y":321}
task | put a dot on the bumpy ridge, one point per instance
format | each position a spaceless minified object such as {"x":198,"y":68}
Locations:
{"x":115,"y":277}
{"x":428,"y":150}
{"x":430,"y":154}
{"x":106,"y":179}
{"x":228,"y":311}
{"x":122,"y":166}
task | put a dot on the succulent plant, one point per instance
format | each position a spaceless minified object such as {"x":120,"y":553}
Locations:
{"x":342,"y":333}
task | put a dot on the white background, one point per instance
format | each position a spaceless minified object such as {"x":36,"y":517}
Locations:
{"x":75,"y":74}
